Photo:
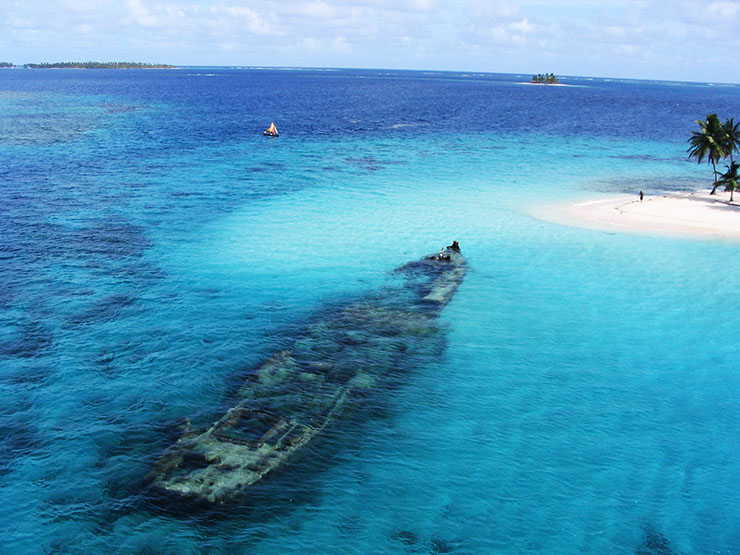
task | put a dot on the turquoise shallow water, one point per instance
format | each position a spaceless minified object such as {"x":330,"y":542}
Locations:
{"x":156,"y":248}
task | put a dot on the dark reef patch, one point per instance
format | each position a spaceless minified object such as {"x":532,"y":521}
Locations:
{"x":371,"y":164}
{"x":655,"y":543}
{"x":34,"y":339}
{"x":112,"y":238}
{"x":404,"y":537}
{"x":19,"y":437}
{"x":103,"y":309}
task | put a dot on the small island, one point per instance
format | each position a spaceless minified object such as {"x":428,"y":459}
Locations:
{"x":98,"y":65}
{"x":6,"y":64}
{"x":545,"y":79}
{"x":706,"y":214}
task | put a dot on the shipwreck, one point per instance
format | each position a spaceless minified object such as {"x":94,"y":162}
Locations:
{"x":297,"y":393}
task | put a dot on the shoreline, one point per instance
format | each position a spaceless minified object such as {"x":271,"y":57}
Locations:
{"x":546,"y":84}
{"x":692,"y":215}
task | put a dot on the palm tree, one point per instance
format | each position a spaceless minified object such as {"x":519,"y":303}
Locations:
{"x":710,"y":141}
{"x":732,"y":137}
{"x":730,"y":179}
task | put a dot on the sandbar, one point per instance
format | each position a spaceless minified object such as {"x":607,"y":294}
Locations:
{"x":546,"y":84}
{"x":695,"y":214}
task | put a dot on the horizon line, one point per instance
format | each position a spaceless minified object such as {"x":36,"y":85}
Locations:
{"x":332,"y":68}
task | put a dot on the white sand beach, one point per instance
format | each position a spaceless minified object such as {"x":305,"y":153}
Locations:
{"x":546,"y":84}
{"x":678,"y":214}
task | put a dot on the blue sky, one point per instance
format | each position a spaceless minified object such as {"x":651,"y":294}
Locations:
{"x":677,"y":39}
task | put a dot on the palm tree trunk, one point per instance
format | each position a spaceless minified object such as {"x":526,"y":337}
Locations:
{"x":714,"y":189}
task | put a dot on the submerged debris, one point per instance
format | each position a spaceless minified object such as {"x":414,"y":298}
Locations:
{"x":405,"y":537}
{"x":655,"y":543}
{"x":296,"y":393}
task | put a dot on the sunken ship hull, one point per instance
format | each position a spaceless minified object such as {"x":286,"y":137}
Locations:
{"x":297,"y":393}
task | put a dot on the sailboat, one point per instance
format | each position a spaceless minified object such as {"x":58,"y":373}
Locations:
{"x":272,"y":131}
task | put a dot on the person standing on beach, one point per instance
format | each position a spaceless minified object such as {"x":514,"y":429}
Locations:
{"x":640,"y":196}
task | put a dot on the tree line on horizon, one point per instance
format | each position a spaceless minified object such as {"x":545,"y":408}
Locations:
{"x":717,"y":141}
{"x":97,"y":65}
{"x":545,"y":79}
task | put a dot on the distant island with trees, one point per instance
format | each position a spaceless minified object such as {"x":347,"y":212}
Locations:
{"x":545,"y":79}
{"x":98,"y":65}
{"x":6,"y":64}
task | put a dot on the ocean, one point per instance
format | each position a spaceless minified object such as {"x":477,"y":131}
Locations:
{"x":582,"y":395}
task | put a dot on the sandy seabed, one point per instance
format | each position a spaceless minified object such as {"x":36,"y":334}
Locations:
{"x":695,"y":214}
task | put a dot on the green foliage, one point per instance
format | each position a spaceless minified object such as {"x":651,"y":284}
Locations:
{"x":732,"y":136}
{"x":545,"y":79}
{"x":730,"y":178}
{"x":98,"y":65}
{"x":6,"y":64}
{"x":710,"y":142}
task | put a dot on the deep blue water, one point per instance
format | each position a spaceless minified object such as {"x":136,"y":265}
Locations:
{"x":155,"y":248}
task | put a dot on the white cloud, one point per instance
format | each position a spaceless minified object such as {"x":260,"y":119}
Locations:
{"x":140,"y":14}
{"x":497,"y":10}
{"x":724,"y":10}
{"x":340,"y":45}
{"x":319,"y":10}
{"x":235,"y":19}
{"x":616,"y":31}
{"x":522,"y":27}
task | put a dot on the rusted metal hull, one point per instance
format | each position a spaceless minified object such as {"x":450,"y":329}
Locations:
{"x":297,"y":393}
